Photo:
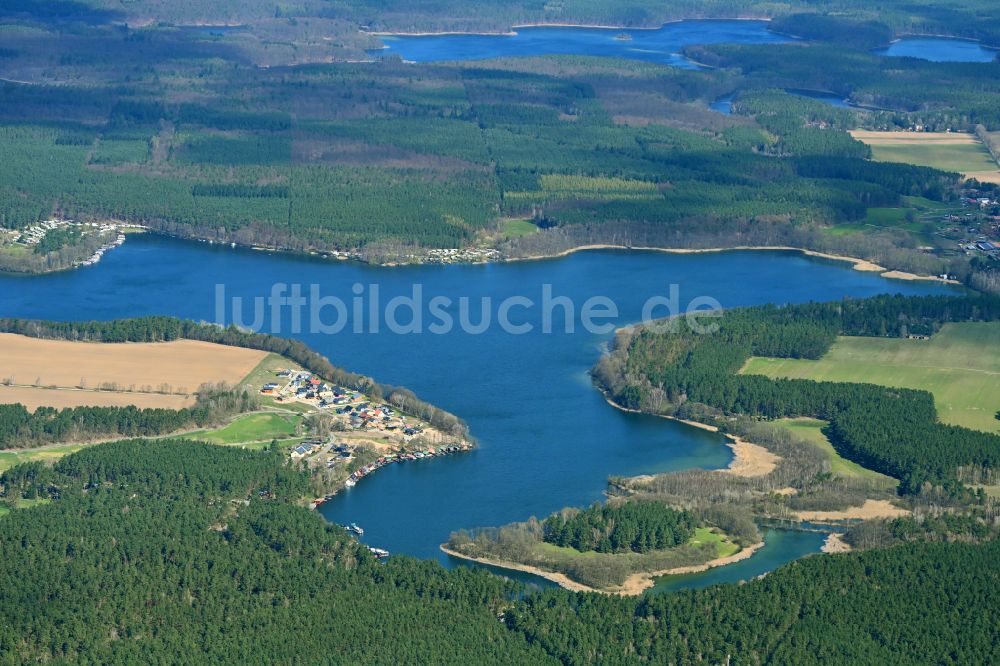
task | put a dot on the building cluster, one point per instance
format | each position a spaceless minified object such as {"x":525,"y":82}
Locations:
{"x":976,"y":232}
{"x":471,"y":255}
{"x":35,"y":234}
{"x":353,"y":409}
{"x":99,"y":252}
{"x":390,"y":458}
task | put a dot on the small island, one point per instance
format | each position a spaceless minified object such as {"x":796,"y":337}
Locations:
{"x":618,"y":547}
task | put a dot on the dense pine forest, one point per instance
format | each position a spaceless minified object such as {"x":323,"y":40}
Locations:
{"x":617,"y":528}
{"x":893,"y":431}
{"x":855,"y":22}
{"x":150,"y":550}
{"x":20,"y":428}
{"x":291,"y":126}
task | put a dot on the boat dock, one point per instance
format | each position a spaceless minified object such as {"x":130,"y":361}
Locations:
{"x":389,"y":459}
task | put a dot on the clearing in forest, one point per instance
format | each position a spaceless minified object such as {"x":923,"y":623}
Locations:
{"x":959,"y":365}
{"x":948,"y":151}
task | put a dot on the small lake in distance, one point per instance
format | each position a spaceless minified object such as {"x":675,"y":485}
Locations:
{"x":661,"y":45}
{"x":723,"y":105}
{"x":825,"y":97}
{"x":939,"y":49}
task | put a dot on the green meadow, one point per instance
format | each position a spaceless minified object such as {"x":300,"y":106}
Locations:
{"x":251,"y":428}
{"x":515,"y":228}
{"x":960,"y":366}
{"x":811,"y":430}
{"x":958,"y":157}
{"x":10,"y":458}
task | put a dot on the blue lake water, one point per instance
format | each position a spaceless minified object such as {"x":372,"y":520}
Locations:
{"x":780,"y":547}
{"x":546,"y":438}
{"x":723,"y":105}
{"x":939,"y":50}
{"x":662,"y":45}
{"x":825,"y":97}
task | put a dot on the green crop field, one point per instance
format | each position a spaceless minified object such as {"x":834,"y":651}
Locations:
{"x":10,"y":458}
{"x":959,"y":157}
{"x":811,"y":430}
{"x":960,"y":366}
{"x":251,"y":428}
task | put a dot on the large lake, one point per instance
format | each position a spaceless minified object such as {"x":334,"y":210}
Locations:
{"x":546,"y":438}
{"x":662,"y":45}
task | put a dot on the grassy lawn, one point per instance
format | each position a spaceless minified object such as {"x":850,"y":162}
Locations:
{"x":924,"y":212}
{"x":24,"y":504}
{"x":252,"y":431}
{"x":811,"y":431}
{"x":49,"y":454}
{"x":723,"y":547}
{"x":288,"y":405}
{"x":925,"y":204}
{"x":960,"y":157}
{"x":960,"y":366}
{"x":266,"y":371}
{"x":844,"y":229}
{"x":28,"y":503}
{"x":518,"y":228}
{"x":251,"y":428}
{"x":886,"y":217}
{"x":992,"y":491}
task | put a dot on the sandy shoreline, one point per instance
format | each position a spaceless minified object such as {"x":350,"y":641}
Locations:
{"x":835,"y":544}
{"x":858,"y":264}
{"x":749,"y":459}
{"x":870,"y":509}
{"x":639,"y":582}
{"x":446,"y":33}
{"x":557,"y":578}
{"x":634,"y":585}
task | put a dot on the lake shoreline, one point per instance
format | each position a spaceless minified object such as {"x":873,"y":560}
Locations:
{"x":634,"y":585}
{"x":858,"y":264}
{"x":337,"y":255}
{"x":584,"y":26}
{"x":749,"y":459}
